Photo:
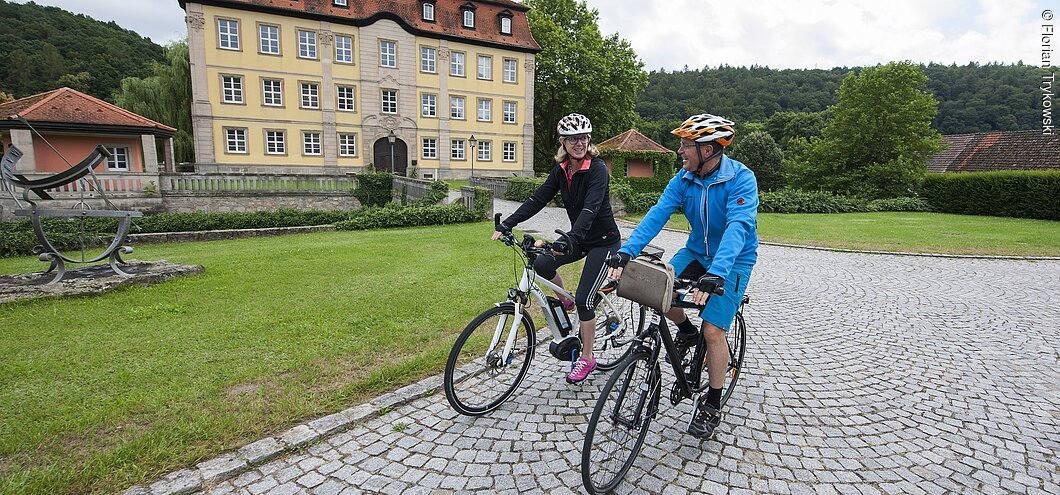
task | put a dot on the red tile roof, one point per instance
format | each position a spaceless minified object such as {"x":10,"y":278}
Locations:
{"x":447,"y":13}
{"x":998,"y":150}
{"x":68,"y":106}
{"x":631,"y":140}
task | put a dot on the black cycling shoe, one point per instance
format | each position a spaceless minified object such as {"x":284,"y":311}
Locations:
{"x":705,"y":420}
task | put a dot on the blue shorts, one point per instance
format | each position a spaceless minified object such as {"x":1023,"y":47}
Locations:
{"x":720,"y":310}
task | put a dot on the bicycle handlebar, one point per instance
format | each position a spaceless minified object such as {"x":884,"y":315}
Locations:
{"x":529,"y":245}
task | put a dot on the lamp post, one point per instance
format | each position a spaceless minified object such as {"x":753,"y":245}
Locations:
{"x":391,"y":137}
{"x":474,"y":150}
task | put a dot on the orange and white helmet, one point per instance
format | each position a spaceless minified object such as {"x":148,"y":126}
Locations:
{"x":574,"y":124}
{"x":705,"y":128}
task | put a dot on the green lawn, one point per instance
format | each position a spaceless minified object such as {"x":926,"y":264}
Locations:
{"x":100,"y":393}
{"x":455,"y":185}
{"x":909,"y":232}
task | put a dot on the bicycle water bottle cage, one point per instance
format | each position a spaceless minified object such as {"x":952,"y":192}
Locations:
{"x":566,"y":347}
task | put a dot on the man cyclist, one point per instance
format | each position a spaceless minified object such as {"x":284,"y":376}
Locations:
{"x":582,"y":179}
{"x":719,"y":197}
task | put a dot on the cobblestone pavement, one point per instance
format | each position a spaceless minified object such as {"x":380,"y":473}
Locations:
{"x":865,"y":374}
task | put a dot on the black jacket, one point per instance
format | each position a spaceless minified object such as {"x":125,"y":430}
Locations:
{"x":586,"y":198}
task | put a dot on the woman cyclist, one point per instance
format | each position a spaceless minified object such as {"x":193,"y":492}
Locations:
{"x":583,"y":181}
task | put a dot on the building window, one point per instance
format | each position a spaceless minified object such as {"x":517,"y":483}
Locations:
{"x":231,"y":89}
{"x":508,"y":151}
{"x":347,"y":144}
{"x":509,"y":112}
{"x":310,"y":95}
{"x":456,"y":107}
{"x":236,"y":140}
{"x":345,"y":98}
{"x":311,"y":143}
{"x":388,"y":54}
{"x":457,"y":150}
{"x":307,"y":44}
{"x":228,"y":34}
{"x":119,"y":158}
{"x":506,"y":25}
{"x":485,"y":67}
{"x":341,"y":3}
{"x":510,"y":70}
{"x":430,"y":148}
{"x":484,"y":151}
{"x":456,"y":64}
{"x":344,"y":49}
{"x":429,"y":105}
{"x":428,"y":11}
{"x":269,"y":39}
{"x":272,"y":92}
{"x":485,"y":109}
{"x":469,"y":18}
{"x":389,"y":101}
{"x":275,"y":143}
{"x":427,"y":59}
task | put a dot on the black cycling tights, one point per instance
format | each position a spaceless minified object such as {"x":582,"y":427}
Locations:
{"x":593,"y":274}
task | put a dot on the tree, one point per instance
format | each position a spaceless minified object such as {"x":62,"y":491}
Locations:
{"x":761,"y":154}
{"x":164,"y":97}
{"x":879,"y":138}
{"x":579,"y":70}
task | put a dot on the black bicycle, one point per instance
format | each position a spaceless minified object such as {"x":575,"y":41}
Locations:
{"x":630,"y":400}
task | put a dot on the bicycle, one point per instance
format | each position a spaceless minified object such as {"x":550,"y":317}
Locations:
{"x":629,"y":400}
{"x":491,"y":356}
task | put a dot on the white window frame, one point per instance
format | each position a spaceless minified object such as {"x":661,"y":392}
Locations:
{"x":118,"y":161}
{"x":267,"y":41}
{"x":509,"y":117}
{"x":506,"y":25}
{"x":457,"y":111}
{"x":309,"y":95}
{"x":428,"y":105}
{"x":344,"y":49}
{"x":311,"y":143}
{"x":456,"y":150}
{"x":236,"y":140}
{"x":388,"y":101}
{"x":428,"y":11}
{"x":508,"y":149}
{"x":469,"y":18}
{"x":484,"y":110}
{"x":485,"y":150}
{"x":347,"y":144}
{"x":387,"y":53}
{"x":458,"y":64}
{"x":266,"y":92}
{"x":484,"y":72}
{"x":428,"y":59}
{"x":228,"y":34}
{"x":345,"y":103}
{"x":232,"y":89}
{"x":514,"y":72}
{"x":307,"y":44}
{"x":341,"y":3}
{"x":429,"y":149}
{"x":277,"y":139}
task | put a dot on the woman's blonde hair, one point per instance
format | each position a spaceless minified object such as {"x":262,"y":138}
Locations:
{"x":561,"y":154}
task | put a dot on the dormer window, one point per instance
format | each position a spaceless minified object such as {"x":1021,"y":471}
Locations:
{"x":341,"y":3}
{"x":428,"y":11}
{"x":468,"y":12}
{"x":506,"y":21}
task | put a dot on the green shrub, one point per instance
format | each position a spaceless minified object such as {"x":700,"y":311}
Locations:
{"x":521,"y":188}
{"x":410,"y":216}
{"x":899,"y":204}
{"x":798,"y":201}
{"x":1020,"y":194}
{"x":642,"y":185}
{"x":438,"y":191}
{"x":374,"y":189}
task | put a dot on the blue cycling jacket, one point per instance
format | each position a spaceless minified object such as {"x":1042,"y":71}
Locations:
{"x":722,"y":210}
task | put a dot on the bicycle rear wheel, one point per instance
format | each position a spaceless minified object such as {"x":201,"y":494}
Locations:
{"x":737,"y":341}
{"x":618,"y":321}
{"x":619,"y":423}
{"x":478,"y":377}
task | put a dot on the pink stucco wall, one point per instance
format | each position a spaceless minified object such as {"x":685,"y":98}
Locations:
{"x":75,"y":148}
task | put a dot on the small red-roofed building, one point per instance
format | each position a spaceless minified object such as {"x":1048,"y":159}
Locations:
{"x":636,"y":149}
{"x":997,"y":150}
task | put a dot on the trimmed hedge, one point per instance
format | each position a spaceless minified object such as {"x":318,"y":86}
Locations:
{"x":799,"y":201}
{"x":409,"y":216}
{"x":374,"y":188}
{"x":1021,"y":194}
{"x":521,"y":188}
{"x":438,"y":191}
{"x":643,"y":185}
{"x":635,"y":202}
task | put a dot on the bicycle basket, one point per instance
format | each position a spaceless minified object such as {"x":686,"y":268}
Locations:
{"x":648,"y":282}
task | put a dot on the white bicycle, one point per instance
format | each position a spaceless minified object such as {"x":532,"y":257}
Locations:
{"x":492,"y":355}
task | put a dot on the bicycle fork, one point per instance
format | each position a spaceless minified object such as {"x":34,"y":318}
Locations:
{"x":642,"y":394}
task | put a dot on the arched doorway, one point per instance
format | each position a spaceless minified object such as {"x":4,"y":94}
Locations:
{"x":382,"y":155}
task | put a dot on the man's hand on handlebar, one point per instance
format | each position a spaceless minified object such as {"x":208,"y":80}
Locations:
{"x":706,"y":285}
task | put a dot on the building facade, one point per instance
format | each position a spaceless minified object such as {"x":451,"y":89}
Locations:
{"x":339,"y":85}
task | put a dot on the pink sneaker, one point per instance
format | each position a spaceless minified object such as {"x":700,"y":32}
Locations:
{"x":568,"y":305}
{"x":581,"y":370}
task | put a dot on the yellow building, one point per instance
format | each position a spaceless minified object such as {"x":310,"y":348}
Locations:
{"x":336,"y":85}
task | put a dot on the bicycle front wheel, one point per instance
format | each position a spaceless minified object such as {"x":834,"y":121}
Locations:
{"x":618,"y":321}
{"x":479,"y":374}
{"x":619,"y":423}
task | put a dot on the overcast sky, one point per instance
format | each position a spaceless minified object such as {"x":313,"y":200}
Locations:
{"x":779,"y":33}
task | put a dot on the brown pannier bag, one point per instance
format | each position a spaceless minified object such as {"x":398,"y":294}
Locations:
{"x":649,"y":282}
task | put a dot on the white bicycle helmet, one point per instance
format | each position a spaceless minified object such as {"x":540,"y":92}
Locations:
{"x":574,"y":124}
{"x":704,"y":128}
